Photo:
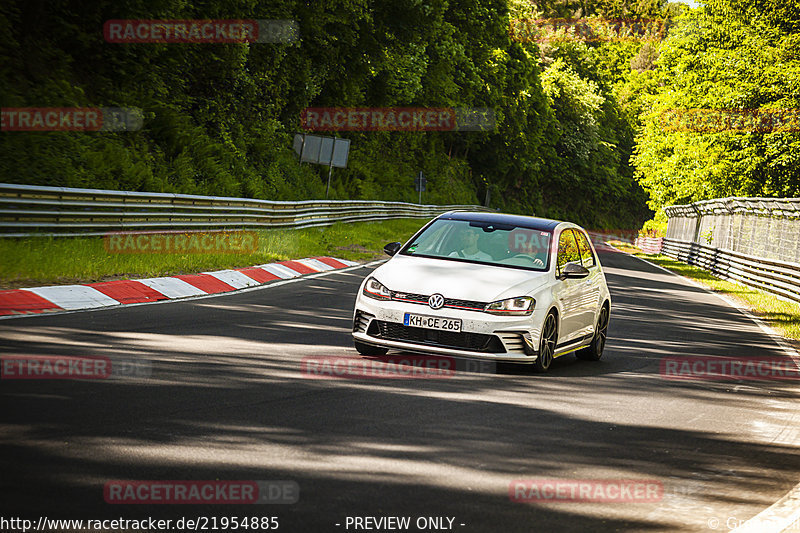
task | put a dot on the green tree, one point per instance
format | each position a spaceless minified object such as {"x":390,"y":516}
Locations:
{"x":729,"y":56}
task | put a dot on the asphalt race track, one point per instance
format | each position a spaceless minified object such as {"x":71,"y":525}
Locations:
{"x":227,"y":400}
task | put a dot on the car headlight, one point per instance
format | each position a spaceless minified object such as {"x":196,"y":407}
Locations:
{"x":522,"y":305}
{"x":375,"y":289}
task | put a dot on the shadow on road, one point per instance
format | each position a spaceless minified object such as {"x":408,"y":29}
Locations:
{"x":227,"y":400}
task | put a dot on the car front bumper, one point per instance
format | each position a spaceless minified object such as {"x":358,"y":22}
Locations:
{"x":483,"y":335}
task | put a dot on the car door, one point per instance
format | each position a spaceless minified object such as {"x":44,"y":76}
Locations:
{"x":568,"y":292}
{"x":590,"y":286}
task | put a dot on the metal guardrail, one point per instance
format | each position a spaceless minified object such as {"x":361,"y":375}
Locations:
{"x":772,"y":276}
{"x":754,"y":241}
{"x":29,"y":210}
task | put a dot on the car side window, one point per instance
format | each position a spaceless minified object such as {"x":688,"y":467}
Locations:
{"x":587,"y":257}
{"x":567,"y":250}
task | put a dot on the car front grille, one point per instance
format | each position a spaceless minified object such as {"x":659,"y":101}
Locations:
{"x":473,"y":342}
{"x":453,"y":303}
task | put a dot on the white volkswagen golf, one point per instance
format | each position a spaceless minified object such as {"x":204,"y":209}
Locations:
{"x":487,"y":286}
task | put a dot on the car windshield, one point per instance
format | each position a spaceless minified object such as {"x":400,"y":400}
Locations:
{"x":491,"y":243}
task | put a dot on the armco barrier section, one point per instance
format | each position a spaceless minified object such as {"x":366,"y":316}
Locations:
{"x":36,"y":210}
{"x":754,"y":241}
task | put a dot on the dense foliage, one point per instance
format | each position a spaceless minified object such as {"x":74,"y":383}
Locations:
{"x":730,"y":56}
{"x":220,"y":118}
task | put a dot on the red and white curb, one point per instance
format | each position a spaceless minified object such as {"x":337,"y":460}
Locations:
{"x":131,"y":291}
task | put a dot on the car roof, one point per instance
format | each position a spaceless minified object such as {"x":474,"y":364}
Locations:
{"x":543,"y":224}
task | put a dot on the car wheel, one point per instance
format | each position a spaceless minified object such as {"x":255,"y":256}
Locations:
{"x":368,"y":349}
{"x":594,"y":351}
{"x":547,"y":344}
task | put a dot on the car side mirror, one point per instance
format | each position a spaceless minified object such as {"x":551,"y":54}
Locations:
{"x":573,"y":270}
{"x":392,"y":248}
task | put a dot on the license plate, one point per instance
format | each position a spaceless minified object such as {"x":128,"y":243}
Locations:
{"x":432,"y":322}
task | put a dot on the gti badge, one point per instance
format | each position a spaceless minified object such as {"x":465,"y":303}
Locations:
{"x":436,"y":301}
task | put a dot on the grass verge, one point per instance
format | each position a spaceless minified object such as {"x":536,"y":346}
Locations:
{"x":40,"y":261}
{"x":783,"y":316}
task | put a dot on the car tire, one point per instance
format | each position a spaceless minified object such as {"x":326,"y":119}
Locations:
{"x":547,"y":344}
{"x":594,"y":351}
{"x":368,"y":349}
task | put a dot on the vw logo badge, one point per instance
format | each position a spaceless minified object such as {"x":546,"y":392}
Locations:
{"x":436,"y":301}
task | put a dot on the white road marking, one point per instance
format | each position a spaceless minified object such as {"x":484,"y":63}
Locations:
{"x":317,"y":265}
{"x":172,"y":287}
{"x":74,"y":296}
{"x":783,"y":513}
{"x":281,"y":271}
{"x":776,"y":518}
{"x":235,"y":279}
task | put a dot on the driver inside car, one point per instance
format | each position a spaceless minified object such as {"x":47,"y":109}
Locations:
{"x":469,"y":246}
